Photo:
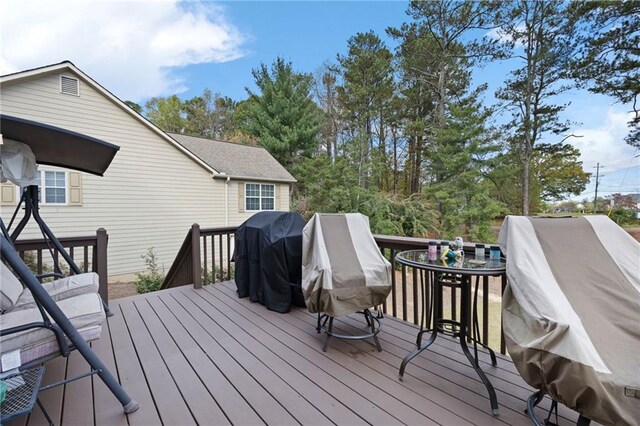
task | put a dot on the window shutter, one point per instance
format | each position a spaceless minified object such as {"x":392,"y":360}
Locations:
{"x":7,"y":194}
{"x":241,"y":197}
{"x":276,"y":203}
{"x":75,"y":189}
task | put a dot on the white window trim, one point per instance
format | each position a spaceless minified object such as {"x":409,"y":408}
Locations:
{"x":43,"y":202}
{"x":71,"y":78}
{"x":260,"y":197}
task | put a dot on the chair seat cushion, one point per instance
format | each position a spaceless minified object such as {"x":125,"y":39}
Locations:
{"x":85,"y":312}
{"x":60,"y":289}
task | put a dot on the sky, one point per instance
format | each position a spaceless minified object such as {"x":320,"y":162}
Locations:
{"x":141,"y":49}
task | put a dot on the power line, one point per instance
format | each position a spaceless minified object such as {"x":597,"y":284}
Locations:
{"x":627,"y":170}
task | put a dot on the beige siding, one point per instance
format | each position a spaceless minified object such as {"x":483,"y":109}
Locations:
{"x":150,"y":195}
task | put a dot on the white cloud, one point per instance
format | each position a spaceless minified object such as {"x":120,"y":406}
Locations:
{"x":499,"y":34}
{"x":130,"y":47}
{"x":605,"y":144}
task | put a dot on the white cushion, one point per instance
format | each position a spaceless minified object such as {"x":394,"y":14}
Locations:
{"x":83,"y":311}
{"x":10,"y":288}
{"x":63,"y":288}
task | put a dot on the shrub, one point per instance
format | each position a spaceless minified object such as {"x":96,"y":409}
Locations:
{"x":217,"y":276}
{"x":622,"y":216}
{"x":30,"y":259}
{"x":152,"y":279}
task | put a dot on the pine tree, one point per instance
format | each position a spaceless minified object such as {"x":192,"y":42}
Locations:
{"x":364,"y":99}
{"x":541,"y":36}
{"x":608,"y":57}
{"x":282,"y":115}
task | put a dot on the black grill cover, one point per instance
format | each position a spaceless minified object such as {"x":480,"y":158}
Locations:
{"x":268,"y":257}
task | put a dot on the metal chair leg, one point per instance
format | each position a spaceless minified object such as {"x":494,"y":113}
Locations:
{"x":44,"y":411}
{"x":367,"y":314}
{"x":329,"y":331}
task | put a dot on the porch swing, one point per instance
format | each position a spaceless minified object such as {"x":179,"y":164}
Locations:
{"x":41,"y":321}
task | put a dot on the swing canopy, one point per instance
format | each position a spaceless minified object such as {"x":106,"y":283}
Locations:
{"x":54,"y":146}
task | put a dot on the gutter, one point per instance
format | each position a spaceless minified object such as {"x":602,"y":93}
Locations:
{"x":254,"y":178}
{"x":226,"y":201}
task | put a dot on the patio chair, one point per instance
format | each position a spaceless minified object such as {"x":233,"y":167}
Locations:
{"x":571,"y":313}
{"x":343,"y":272}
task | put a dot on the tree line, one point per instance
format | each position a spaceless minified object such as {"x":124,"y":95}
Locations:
{"x":402,"y":134}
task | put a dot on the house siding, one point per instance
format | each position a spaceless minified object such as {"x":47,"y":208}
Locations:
{"x":149,"y":197}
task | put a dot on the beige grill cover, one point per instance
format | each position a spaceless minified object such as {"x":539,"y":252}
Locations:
{"x":571,"y":312}
{"x":343,"y":270}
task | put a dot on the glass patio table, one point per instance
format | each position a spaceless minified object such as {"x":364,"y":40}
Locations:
{"x":454,"y":274}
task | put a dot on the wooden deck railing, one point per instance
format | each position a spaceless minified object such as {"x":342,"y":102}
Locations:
{"x":205,"y":257}
{"x":88,"y":252}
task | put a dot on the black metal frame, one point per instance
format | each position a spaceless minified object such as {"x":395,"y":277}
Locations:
{"x":33,"y":388}
{"x":373,"y":322}
{"x":29,"y":198}
{"x":536,"y":398}
{"x":437,"y":279}
{"x":61,"y":326}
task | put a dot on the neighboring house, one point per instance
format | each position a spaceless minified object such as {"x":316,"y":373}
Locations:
{"x":158,"y":184}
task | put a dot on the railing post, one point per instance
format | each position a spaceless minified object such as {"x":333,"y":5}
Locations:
{"x":100,"y":266}
{"x":195,"y":256}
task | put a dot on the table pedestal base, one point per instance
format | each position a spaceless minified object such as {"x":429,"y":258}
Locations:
{"x":459,"y":330}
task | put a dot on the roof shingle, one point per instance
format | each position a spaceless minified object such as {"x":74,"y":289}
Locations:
{"x":235,"y":160}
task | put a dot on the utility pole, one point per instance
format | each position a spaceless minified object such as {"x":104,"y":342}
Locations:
{"x":595,"y":199}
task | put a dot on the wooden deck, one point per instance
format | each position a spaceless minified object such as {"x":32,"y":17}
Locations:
{"x":206,"y":357}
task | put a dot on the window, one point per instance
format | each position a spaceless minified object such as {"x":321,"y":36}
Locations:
{"x":259,"y":197}
{"x":55,"y":187}
{"x":54,"y":191}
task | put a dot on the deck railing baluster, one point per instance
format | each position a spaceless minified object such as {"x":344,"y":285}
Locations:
{"x":97,"y":243}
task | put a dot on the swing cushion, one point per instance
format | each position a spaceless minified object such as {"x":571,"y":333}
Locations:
{"x":61,"y":289}
{"x":10,"y":289}
{"x":85,"y":312}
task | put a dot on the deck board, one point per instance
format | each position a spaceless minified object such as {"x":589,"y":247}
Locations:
{"x":341,"y":369}
{"x":207,"y":357}
{"x":284,"y":405}
{"x":106,"y":408}
{"x":274,"y":341}
{"x":237,"y":410}
{"x":130,"y":372}
{"x":172,"y":407}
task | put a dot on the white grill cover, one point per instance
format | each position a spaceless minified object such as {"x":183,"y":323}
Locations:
{"x":343,"y":270}
{"x":571,"y":312}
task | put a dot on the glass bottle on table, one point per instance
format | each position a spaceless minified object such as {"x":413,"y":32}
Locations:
{"x":433,"y":250}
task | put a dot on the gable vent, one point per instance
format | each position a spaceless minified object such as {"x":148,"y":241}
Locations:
{"x":69,"y":85}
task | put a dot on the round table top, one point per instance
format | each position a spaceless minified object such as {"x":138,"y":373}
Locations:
{"x":467,"y":265}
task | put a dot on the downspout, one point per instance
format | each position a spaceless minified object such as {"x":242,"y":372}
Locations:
{"x":226,"y":201}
